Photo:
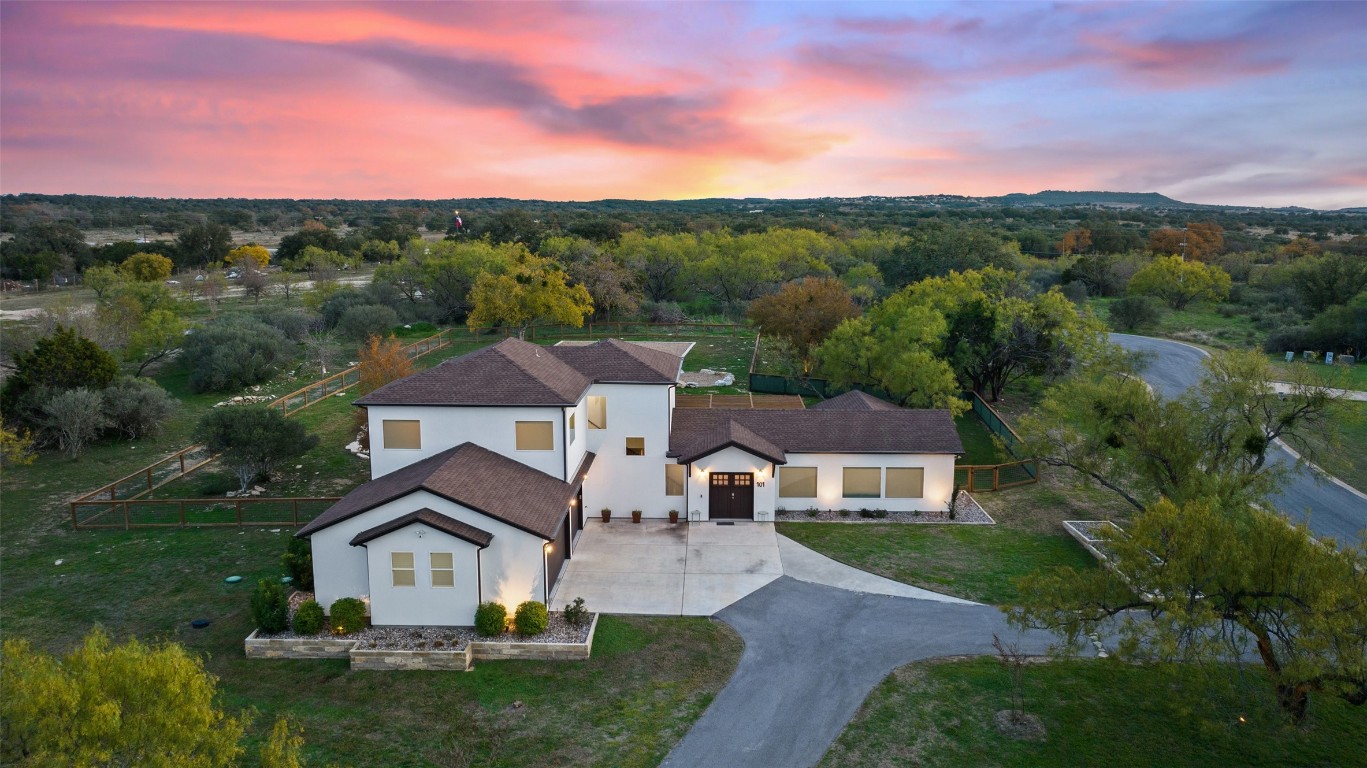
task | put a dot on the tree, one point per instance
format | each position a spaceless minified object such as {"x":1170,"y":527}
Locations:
{"x":100,"y":278}
{"x":532,"y":290}
{"x":804,"y":313}
{"x":106,"y":704}
{"x":203,"y":244}
{"x":232,"y":352}
{"x":894,"y":353}
{"x":62,"y":361}
{"x":254,"y":282}
{"x":1131,"y":313}
{"x":312,"y":234}
{"x":76,"y":417}
{"x":1199,"y":240}
{"x":146,"y":268}
{"x":158,"y":334}
{"x":136,"y":407}
{"x":254,"y":440}
{"x":283,"y":748}
{"x":1205,"y":581}
{"x":43,"y":248}
{"x":382,"y":360}
{"x":733,"y":270}
{"x":253,"y":257}
{"x":285,"y":281}
{"x":1075,"y":241}
{"x":1211,"y":443}
{"x":1180,"y":282}
{"x":611,"y":285}
{"x":1323,"y":281}
{"x":16,"y":446}
{"x":321,"y":348}
{"x":936,"y":248}
{"x":661,"y":261}
{"x":365,"y":320}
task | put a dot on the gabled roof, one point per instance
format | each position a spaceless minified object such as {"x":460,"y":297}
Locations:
{"x":432,"y":519}
{"x":516,"y":372}
{"x":474,"y":477}
{"x":699,"y":432}
{"x":616,"y":361}
{"x":511,"y":372}
{"x":854,"y":400}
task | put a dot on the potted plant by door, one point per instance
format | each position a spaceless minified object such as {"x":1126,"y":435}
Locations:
{"x":635,"y":515}
{"x":607,"y":514}
{"x":673,"y":516}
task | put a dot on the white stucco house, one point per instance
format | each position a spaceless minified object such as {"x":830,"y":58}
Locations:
{"x":485,"y":467}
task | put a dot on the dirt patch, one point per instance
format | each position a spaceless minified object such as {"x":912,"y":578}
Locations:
{"x":1018,"y":725}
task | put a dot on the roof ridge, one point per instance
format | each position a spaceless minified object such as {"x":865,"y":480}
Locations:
{"x":536,"y":351}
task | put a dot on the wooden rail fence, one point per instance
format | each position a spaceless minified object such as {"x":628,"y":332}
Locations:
{"x":127,"y":514}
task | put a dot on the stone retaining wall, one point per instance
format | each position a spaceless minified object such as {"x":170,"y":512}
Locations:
{"x":458,"y":661}
{"x":297,"y":647}
{"x":493,"y":649}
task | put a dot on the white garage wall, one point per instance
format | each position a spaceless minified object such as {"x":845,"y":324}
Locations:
{"x":445,"y":427}
{"x":513,"y":564}
{"x":422,"y":604}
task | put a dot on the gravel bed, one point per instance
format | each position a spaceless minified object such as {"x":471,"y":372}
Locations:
{"x":970,"y":512}
{"x":440,"y":638}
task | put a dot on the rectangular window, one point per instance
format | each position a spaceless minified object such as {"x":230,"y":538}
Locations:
{"x":797,"y":482}
{"x":674,"y":479}
{"x":401,"y":563}
{"x":906,"y":482}
{"x":443,"y":569}
{"x":402,"y":434}
{"x":535,"y":436}
{"x":570,"y":440}
{"x":598,"y":412}
{"x":863,"y":482}
{"x":636,"y":446}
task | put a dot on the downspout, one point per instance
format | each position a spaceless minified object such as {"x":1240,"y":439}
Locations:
{"x":565,"y":444}
{"x":479,"y":574}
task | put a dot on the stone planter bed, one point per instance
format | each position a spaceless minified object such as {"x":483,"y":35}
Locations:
{"x":1088,"y":534}
{"x":970,"y":513}
{"x":448,"y":648}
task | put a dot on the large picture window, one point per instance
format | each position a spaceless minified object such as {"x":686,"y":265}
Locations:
{"x":674,"y":479}
{"x":797,"y":482}
{"x":598,"y":412}
{"x":535,"y":436}
{"x":443,"y":569}
{"x":906,"y":482}
{"x":401,"y":564}
{"x":863,"y":482}
{"x":402,"y":434}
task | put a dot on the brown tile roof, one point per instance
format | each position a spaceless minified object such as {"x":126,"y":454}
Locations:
{"x":432,"y":519}
{"x":511,"y":372}
{"x":616,"y":361}
{"x":474,"y":477}
{"x":854,"y":400}
{"x":699,"y":432}
{"x":516,"y":372}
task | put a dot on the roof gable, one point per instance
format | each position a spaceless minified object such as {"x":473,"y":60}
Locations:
{"x":617,"y":361}
{"x":855,"y":400}
{"x":511,"y":372}
{"x":432,"y":519}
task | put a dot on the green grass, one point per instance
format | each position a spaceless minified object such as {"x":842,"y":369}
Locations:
{"x":979,"y":445}
{"x":975,"y":562}
{"x":1348,"y":459}
{"x":1095,"y":713}
{"x":1341,"y":376}
{"x":1200,"y":323}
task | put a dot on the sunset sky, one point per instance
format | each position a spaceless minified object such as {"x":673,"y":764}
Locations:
{"x":1240,"y":103}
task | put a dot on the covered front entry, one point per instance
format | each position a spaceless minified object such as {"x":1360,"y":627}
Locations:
{"x":732,"y":496}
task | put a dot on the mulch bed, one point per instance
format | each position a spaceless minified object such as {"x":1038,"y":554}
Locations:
{"x":970,"y":513}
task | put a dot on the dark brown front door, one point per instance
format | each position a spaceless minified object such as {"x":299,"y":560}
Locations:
{"x":732,"y":496}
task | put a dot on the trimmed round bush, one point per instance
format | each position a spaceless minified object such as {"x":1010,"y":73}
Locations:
{"x":270,"y":607}
{"x":491,"y":619}
{"x":298,"y":561}
{"x":347,"y":615}
{"x":309,"y":618}
{"x":531,"y":618}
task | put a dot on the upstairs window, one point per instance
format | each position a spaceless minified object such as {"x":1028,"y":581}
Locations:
{"x":402,"y":434}
{"x":636,"y":446}
{"x":443,"y":569}
{"x":401,"y":565}
{"x":535,"y":436}
{"x":598,"y":412}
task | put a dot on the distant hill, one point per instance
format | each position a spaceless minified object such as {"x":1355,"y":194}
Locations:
{"x":1054,"y":197}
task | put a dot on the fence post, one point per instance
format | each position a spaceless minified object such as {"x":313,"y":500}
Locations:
{"x":149,"y":479}
{"x":970,"y":478}
{"x":126,"y":525}
{"x":295,"y":505}
{"x":182,"y":462}
{"x":239,"y":513}
{"x":74,"y":525}
{"x":182,"y":513}
{"x":996,"y":478}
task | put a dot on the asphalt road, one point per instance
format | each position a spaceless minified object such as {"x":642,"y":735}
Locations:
{"x":1330,"y":509}
{"x":812,"y":655}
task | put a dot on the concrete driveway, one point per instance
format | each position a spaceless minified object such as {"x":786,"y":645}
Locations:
{"x":653,"y":567}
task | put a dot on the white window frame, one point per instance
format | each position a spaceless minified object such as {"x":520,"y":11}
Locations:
{"x":450,"y":570}
{"x":395,"y":569}
{"x":683,"y":476}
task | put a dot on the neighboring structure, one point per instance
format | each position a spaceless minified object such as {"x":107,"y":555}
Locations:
{"x":481,"y":475}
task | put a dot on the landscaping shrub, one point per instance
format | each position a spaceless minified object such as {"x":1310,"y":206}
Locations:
{"x":1134,"y":312}
{"x":531,"y":618}
{"x":298,"y":560}
{"x":136,"y":407}
{"x":75,"y":419}
{"x":576,"y":614}
{"x":270,"y":607}
{"x":294,"y":323}
{"x":309,"y":618}
{"x":366,"y":320}
{"x":1291,"y":338}
{"x":231,"y":353}
{"x":873,"y":514}
{"x":491,"y":619}
{"x":347,"y":615}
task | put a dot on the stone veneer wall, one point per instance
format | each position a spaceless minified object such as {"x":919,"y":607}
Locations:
{"x":458,"y":661}
{"x":297,"y":647}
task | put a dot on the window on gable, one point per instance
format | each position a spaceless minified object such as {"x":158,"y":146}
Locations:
{"x":401,"y":565}
{"x":402,"y":434}
{"x":636,"y":446}
{"x":863,"y":482}
{"x":598,"y":412}
{"x":443,"y":569}
{"x":535,"y":436}
{"x":906,"y":482}
{"x":674,"y":479}
{"x":797,"y":482}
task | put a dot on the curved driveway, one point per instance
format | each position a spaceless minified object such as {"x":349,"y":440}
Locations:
{"x":1332,"y":509}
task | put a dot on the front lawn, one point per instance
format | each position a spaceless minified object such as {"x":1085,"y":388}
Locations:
{"x":970,"y":561}
{"x":1095,"y":713}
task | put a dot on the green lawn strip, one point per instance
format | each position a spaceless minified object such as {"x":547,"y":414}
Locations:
{"x":1096,"y":713}
{"x":970,"y":561}
{"x":1352,"y":377}
{"x":979,"y":446}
